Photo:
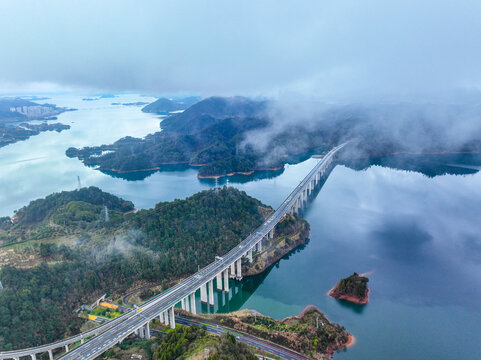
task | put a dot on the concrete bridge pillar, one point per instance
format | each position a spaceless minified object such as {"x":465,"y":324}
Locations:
{"x":147,"y":330}
{"x":182,"y":304}
{"x":50,"y":355}
{"x":186,"y":303}
{"x":239,"y":269}
{"x":226,"y":280}
{"x":66,"y":349}
{"x":232,"y":270}
{"x":211,"y":292}
{"x":82,"y":341}
{"x":193,"y":308}
{"x":259,"y":245}
{"x":203,"y":293}
{"x":172,"y":317}
{"x":219,"y":281}
{"x":33,"y":356}
{"x":249,"y":255}
{"x":165,"y":316}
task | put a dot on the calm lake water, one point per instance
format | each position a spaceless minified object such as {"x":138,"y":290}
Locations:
{"x":418,"y":237}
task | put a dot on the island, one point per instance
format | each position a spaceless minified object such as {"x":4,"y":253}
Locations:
{"x":353,"y":288}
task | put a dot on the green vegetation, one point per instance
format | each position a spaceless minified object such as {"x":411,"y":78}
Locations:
{"x":104,"y":312}
{"x":178,"y":342}
{"x":39,"y":210}
{"x":154,"y":246}
{"x":184,"y":342}
{"x":354,"y":285}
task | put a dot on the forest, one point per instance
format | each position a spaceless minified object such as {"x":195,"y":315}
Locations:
{"x":184,"y":342}
{"x":157,"y":245}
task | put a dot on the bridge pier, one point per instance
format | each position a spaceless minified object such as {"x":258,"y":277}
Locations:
{"x":66,"y":349}
{"x":232,"y":270}
{"x":172,"y":317}
{"x":211,"y":292}
{"x":147,"y":330}
{"x":249,"y":255}
{"x":165,"y":316}
{"x":218,"y":279}
{"x":193,"y":309}
{"x":50,"y":355}
{"x":203,"y":293}
{"x":33,"y":356}
{"x":182,"y":304}
{"x":239,"y":269}
{"x":226,"y":280}
{"x":186,"y":303}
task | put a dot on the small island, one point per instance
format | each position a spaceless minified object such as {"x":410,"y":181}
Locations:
{"x":353,"y":288}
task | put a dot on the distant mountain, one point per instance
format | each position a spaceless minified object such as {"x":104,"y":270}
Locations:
{"x":212,"y":111}
{"x":164,"y":105}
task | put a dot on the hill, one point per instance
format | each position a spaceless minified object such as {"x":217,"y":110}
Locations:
{"x":164,"y":105}
{"x":74,"y":253}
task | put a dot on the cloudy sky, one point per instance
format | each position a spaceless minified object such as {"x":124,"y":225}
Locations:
{"x":331,"y":49}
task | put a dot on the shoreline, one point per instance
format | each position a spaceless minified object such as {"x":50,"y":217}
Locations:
{"x":349,"y":298}
{"x":237,"y":173}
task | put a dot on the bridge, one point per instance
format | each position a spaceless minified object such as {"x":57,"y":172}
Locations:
{"x":90,"y":344}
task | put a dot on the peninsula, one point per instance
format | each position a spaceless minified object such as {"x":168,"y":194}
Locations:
{"x":12,"y":133}
{"x":319,"y":337}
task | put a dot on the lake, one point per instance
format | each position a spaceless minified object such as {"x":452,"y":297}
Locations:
{"x":418,"y":237}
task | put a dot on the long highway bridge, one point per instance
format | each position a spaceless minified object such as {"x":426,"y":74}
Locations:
{"x":91,"y":344}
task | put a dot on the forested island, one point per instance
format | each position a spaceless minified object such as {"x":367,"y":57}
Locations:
{"x":353,"y":288}
{"x":71,"y":247}
{"x":227,"y":136}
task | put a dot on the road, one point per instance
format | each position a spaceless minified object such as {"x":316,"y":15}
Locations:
{"x":262,"y":344}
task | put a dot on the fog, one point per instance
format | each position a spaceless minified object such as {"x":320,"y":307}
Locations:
{"x":337,"y":51}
